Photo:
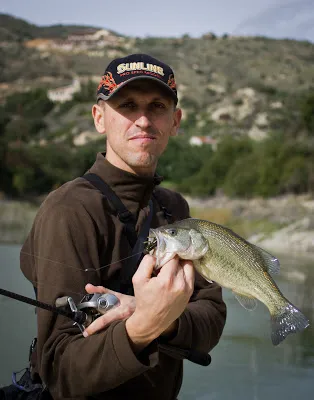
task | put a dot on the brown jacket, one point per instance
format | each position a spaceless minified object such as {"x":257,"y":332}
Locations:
{"x":77,"y":239}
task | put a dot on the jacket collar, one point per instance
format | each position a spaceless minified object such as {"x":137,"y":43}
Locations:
{"x":133,"y":190}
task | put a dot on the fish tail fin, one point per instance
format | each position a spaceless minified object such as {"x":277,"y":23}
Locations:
{"x":287,"y":320}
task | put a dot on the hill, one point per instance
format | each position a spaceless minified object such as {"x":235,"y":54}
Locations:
{"x":229,"y":62}
{"x":246,"y":88}
{"x":211,"y":71}
{"x":17,"y":29}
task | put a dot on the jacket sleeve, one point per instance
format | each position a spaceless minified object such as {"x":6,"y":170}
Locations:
{"x":60,"y":257}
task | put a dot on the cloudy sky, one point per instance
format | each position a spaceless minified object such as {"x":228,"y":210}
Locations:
{"x":272,"y":18}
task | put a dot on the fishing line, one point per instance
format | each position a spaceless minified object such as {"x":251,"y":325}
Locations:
{"x":59,"y":263}
{"x":80,"y":317}
{"x":80,"y":269}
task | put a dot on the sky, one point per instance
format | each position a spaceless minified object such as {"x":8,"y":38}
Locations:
{"x":173,"y":18}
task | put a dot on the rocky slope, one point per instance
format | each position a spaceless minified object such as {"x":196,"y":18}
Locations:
{"x":283,"y":225}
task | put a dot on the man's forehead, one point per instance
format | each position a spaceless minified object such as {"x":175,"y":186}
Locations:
{"x":140,"y":87}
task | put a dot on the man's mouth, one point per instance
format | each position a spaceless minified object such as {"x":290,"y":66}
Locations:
{"x":143,"y":137}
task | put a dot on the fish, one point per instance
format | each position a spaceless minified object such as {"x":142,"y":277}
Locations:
{"x":220,"y":255}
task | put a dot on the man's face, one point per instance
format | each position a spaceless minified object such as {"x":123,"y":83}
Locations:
{"x":138,"y":121}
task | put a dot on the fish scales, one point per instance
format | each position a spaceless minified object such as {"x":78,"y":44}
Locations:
{"x":233,"y":262}
{"x":221,"y":255}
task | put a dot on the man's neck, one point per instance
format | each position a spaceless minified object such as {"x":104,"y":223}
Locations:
{"x":135,"y":170}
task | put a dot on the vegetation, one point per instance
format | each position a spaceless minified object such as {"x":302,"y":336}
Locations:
{"x":243,"y":168}
{"x":239,"y":167}
{"x":37,"y":151}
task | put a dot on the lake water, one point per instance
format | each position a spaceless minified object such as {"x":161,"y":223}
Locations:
{"x":245,"y":364}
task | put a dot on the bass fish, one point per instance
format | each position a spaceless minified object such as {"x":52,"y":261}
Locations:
{"x":220,"y":255}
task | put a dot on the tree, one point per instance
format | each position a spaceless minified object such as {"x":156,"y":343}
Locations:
{"x":31,"y":104}
{"x":216,"y":166}
{"x":5,"y":177}
{"x":181,"y":160}
{"x":242,"y":177}
{"x":295,"y":175}
{"x":307,"y":112}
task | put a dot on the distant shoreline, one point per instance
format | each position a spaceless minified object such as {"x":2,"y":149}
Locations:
{"x":284,"y":224}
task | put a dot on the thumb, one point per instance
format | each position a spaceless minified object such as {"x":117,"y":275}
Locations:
{"x":145,"y":269}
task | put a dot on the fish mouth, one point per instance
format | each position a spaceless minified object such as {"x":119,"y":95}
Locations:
{"x":154,"y":242}
{"x":155,"y":245}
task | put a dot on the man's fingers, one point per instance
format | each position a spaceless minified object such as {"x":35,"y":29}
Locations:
{"x":189,"y":272}
{"x":101,"y":322}
{"x":98,"y":289}
{"x":170,"y":268}
{"x":145,"y":269}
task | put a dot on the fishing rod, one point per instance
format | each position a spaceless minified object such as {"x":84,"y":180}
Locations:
{"x":79,"y":317}
{"x":94,"y":305}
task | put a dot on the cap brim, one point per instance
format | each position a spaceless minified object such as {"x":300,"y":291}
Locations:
{"x":162,"y":84}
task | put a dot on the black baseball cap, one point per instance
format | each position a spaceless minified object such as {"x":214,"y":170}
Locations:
{"x":123,"y":70}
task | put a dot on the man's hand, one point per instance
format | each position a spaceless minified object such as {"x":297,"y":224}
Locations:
{"x":121,"y":312}
{"x":160,"y":300}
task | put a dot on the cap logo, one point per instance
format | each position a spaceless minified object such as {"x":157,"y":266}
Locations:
{"x":171,"y":82}
{"x":135,"y":66}
{"x":140,"y":66}
{"x":107,"y":82}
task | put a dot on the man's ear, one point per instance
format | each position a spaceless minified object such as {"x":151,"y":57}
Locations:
{"x":99,"y":120}
{"x":176,"y":121}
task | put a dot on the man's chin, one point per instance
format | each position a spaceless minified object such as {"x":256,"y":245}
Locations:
{"x":143,"y":160}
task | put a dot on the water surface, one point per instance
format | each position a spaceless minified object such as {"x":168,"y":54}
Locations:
{"x":245,"y":364}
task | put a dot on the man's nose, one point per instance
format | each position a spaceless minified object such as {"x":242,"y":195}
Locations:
{"x":143,"y":121}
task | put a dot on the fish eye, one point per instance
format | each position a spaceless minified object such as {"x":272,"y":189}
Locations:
{"x":172,"y":232}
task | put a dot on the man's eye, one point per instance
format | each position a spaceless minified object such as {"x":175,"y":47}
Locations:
{"x":128,"y":105}
{"x":159,"y":105}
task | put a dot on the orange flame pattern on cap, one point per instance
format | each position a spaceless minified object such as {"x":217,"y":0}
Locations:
{"x":107,"y":82}
{"x":171,"y":82}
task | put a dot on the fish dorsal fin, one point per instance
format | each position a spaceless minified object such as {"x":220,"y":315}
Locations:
{"x":249,"y":303}
{"x":271,"y":262}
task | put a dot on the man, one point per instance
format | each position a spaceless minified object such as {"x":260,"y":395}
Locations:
{"x":77,"y":238}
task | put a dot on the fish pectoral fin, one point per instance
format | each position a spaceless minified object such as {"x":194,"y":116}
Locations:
{"x":271,"y":262}
{"x":249,"y":303}
{"x":203,"y":271}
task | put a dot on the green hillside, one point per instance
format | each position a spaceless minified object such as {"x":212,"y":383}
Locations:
{"x":253,"y":97}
